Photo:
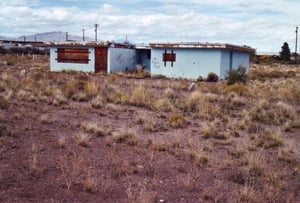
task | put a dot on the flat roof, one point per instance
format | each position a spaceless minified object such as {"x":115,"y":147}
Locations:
{"x":90,"y":44}
{"x":199,"y":45}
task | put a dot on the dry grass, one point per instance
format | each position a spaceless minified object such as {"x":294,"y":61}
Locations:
{"x":122,"y":136}
{"x":72,"y":168}
{"x":62,"y":141}
{"x":142,"y":97}
{"x":82,"y":139}
{"x":94,"y":128}
{"x":177,"y":121}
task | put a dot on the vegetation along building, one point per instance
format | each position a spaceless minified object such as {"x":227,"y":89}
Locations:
{"x":185,"y":60}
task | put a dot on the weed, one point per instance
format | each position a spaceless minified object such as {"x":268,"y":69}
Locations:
{"x":94,"y":128}
{"x":90,"y":183}
{"x":269,"y":139}
{"x":82,"y":139}
{"x":208,"y":130}
{"x":248,"y":193}
{"x":141,"y":97}
{"x":71,"y":169}
{"x":3,"y":103}
{"x":62,"y":141}
{"x":123,"y":136}
{"x":240,"y":89}
{"x":45,"y":119}
{"x":98,"y":102}
{"x":212,"y":77}
{"x":237,"y":76}
{"x":286,"y":155}
{"x":177,"y":121}
{"x":163,"y":105}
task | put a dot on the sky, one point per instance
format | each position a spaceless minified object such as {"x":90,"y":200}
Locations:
{"x":262,"y":24}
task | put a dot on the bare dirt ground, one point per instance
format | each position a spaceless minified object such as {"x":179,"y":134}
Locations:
{"x":73,"y":137}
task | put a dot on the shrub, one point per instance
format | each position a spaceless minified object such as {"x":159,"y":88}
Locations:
{"x":212,"y":77}
{"x":98,"y":102}
{"x":177,"y":121}
{"x":141,"y":97}
{"x":82,"y":139}
{"x":123,"y":136}
{"x":3,"y":103}
{"x":237,"y":76}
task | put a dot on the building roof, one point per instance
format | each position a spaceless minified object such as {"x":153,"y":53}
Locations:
{"x":90,"y":44}
{"x":198,"y":45}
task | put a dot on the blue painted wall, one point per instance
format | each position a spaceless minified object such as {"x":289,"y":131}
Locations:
{"x":237,"y":59}
{"x":192,"y":63}
{"x":87,"y":67}
{"x":120,"y":59}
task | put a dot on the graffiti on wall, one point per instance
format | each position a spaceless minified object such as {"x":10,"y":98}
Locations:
{"x":155,"y":63}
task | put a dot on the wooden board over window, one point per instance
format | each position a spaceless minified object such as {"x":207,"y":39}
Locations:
{"x":169,"y":57}
{"x":72,"y":55}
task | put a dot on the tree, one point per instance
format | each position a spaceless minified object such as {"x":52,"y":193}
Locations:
{"x":285,"y":53}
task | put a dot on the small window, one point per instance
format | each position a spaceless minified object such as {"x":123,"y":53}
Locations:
{"x":169,"y":57}
{"x":72,"y":55}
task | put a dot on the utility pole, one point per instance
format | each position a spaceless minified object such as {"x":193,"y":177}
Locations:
{"x":96,"y":28}
{"x":24,"y":38}
{"x":83,"y":39}
{"x":296,"y":44}
{"x":67,"y":36}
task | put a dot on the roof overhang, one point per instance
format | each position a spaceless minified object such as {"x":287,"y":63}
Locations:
{"x":198,"y":45}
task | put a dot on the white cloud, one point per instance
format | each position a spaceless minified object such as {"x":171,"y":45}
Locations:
{"x":262,"y":24}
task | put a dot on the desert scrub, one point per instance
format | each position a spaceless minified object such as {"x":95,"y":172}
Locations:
{"x":98,"y":102}
{"x":122,"y":136}
{"x":237,"y":76}
{"x":81,"y":90}
{"x":164,"y":105}
{"x":3,"y":103}
{"x":82,"y":139}
{"x":240,"y":89}
{"x":141,"y":97}
{"x":177,"y":121}
{"x":94,"y":128}
{"x":212,"y":77}
{"x":208,"y":130}
{"x":269,"y":139}
{"x":269,"y":113}
{"x":59,"y":98}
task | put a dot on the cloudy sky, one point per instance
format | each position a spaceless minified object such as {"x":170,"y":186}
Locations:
{"x":262,"y":24}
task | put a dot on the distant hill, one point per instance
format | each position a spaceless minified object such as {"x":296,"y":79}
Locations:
{"x":47,"y":37}
{"x":52,"y":36}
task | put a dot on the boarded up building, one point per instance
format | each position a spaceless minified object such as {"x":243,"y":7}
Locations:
{"x":92,"y":57}
{"x":191,"y":60}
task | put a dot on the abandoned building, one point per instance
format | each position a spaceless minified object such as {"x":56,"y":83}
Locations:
{"x":93,"y":57}
{"x":175,"y":60}
{"x":191,"y":60}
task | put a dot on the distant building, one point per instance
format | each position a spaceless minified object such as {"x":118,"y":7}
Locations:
{"x":191,"y":60}
{"x":178,"y":60}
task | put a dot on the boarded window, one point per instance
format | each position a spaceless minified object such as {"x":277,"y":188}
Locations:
{"x":169,"y":57}
{"x":72,"y":55}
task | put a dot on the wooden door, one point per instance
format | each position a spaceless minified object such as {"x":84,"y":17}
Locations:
{"x":100,"y":60}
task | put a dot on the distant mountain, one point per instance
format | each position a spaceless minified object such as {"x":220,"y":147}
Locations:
{"x":51,"y":36}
